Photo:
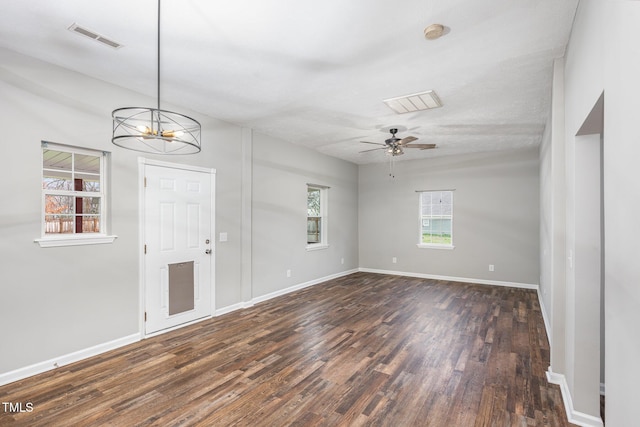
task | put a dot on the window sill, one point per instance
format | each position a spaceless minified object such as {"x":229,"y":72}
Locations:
{"x":55,"y":241}
{"x":427,"y":246}
{"x":317,"y":247}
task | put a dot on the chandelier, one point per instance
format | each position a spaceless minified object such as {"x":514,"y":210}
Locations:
{"x":152,"y":130}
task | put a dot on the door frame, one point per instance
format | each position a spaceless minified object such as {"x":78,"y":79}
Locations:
{"x":142,"y":163}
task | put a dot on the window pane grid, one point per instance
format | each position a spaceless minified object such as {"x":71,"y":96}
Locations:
{"x":316,"y":216}
{"x":67,"y":224}
{"x":436,"y":220}
{"x":72,"y":192}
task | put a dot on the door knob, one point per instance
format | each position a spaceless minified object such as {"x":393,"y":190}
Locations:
{"x":208,"y":251}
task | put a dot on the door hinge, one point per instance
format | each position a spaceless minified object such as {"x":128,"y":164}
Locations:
{"x":145,"y":182}
{"x":145,"y":316}
{"x":145,"y":249}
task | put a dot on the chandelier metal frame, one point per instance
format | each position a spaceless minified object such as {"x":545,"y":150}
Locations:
{"x":153,"y":130}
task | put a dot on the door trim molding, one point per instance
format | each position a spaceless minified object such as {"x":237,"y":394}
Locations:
{"x":152,"y":162}
{"x":142,"y":163}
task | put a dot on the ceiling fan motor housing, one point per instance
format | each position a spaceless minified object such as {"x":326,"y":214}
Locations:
{"x":395,"y":146}
{"x":392,"y":141}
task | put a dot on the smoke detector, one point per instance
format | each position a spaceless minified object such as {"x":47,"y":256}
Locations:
{"x":434,"y":31}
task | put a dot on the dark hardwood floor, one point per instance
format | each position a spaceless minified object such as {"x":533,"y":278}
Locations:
{"x":365,"y":349}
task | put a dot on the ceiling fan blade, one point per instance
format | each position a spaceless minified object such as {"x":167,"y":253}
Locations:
{"x":374,"y":143}
{"x":407,"y":140}
{"x":373,"y":149}
{"x":421,"y":146}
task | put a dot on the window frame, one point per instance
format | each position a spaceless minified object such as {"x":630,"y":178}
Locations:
{"x":421,"y":219}
{"x":73,"y":239}
{"x":324,"y":217}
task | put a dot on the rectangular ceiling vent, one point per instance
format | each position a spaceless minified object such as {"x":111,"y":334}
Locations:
{"x":93,"y":35}
{"x":415,"y":102}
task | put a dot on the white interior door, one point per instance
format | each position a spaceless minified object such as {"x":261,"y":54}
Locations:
{"x":178,"y":277}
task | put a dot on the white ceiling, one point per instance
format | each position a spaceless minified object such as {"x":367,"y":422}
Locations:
{"x":315,"y":73}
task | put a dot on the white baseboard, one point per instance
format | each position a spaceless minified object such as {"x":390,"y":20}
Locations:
{"x":241,"y":305}
{"x":573,"y":416}
{"x":301,"y":286}
{"x":56,"y":362}
{"x":478,"y":281}
{"x":47,"y":365}
{"x":230,"y":308}
{"x":452,"y":279}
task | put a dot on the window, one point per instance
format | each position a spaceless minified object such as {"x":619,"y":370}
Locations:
{"x":73,"y":196}
{"x":316,"y":217}
{"x":436,"y":219}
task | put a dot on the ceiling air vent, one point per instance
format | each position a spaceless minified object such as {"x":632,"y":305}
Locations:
{"x":93,"y":35}
{"x":416,"y":102}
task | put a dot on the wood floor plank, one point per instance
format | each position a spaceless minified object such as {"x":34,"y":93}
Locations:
{"x":364,"y":349}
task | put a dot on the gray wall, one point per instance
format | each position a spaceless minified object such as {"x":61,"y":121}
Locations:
{"x":67,"y":299}
{"x":496,"y":216}
{"x":281,"y":172}
{"x":56,"y":301}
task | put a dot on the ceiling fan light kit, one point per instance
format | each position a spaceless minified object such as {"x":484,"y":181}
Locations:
{"x":395,"y":146}
{"x":153,"y":130}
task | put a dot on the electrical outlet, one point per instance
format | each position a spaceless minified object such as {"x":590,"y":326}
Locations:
{"x":341,"y":260}
{"x":288,"y":273}
{"x":491,"y":267}
{"x":394,"y":260}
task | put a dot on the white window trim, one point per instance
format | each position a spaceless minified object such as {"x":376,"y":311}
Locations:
{"x":74,"y":239}
{"x":440,"y":246}
{"x":316,"y":246}
{"x":95,"y":239}
{"x":324,"y":214}
{"x":435,"y":246}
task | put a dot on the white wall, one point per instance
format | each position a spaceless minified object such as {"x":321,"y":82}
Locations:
{"x":584,"y":278}
{"x":622,"y":204}
{"x":553,"y":219}
{"x":496,"y":216}
{"x":603,"y":55}
{"x":546,"y":224}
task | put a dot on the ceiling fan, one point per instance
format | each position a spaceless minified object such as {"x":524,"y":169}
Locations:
{"x":395,"y":145}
